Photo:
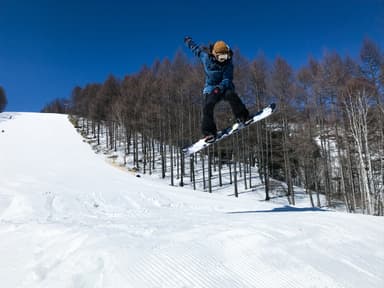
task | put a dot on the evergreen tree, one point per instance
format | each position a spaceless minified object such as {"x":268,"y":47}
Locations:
{"x":3,"y":99}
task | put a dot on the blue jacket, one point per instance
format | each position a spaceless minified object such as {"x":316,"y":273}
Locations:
{"x":216,"y":74}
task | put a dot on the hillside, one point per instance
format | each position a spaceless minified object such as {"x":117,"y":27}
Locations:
{"x":69,"y":219}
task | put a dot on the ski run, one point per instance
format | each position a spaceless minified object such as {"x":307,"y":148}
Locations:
{"x":70,"y":219}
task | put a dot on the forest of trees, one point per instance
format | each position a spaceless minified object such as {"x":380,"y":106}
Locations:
{"x":3,"y":99}
{"x":326,"y":136}
{"x":57,"y":106}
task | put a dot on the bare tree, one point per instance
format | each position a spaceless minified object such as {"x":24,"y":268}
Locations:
{"x":283,"y":89}
{"x":372,"y":64}
{"x":259,"y":75}
{"x":357,"y":102}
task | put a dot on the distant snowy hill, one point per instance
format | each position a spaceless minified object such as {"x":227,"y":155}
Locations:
{"x":69,"y":219}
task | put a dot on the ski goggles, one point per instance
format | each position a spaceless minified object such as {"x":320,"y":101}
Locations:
{"x":222,"y":57}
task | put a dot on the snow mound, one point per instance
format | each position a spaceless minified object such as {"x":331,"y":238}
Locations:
{"x":69,"y":219}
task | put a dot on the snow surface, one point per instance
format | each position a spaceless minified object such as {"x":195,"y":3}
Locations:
{"x":69,"y":219}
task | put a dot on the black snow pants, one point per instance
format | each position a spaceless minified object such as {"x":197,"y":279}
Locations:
{"x":238,"y":108}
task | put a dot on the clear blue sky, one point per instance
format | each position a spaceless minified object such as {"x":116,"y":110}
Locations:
{"x":49,"y":47}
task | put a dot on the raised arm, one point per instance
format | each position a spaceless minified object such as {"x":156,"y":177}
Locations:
{"x":195,"y":48}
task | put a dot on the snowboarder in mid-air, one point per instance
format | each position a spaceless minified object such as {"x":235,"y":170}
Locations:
{"x":218,"y":67}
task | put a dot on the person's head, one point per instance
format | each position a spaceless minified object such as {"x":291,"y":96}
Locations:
{"x":221,"y":51}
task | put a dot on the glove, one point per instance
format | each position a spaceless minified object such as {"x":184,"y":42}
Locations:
{"x":216,"y":91}
{"x":187,"y":39}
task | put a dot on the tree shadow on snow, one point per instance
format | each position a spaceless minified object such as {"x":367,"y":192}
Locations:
{"x":285,"y":208}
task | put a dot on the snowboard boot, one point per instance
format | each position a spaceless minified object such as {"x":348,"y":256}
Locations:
{"x":245,"y":120}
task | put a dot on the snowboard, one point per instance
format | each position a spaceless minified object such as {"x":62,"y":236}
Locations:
{"x":224,"y":133}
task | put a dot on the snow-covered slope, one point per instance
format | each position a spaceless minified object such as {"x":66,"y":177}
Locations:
{"x":69,"y":219}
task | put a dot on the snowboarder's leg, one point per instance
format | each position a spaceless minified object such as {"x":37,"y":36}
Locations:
{"x":238,"y":108}
{"x":208,"y":126}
